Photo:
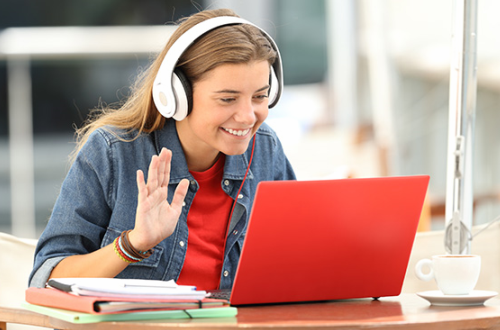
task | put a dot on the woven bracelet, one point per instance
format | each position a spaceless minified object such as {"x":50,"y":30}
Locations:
{"x":123,"y":251}
{"x":129,"y":248}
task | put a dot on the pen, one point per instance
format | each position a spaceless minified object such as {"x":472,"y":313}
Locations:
{"x":72,"y":285}
{"x":158,"y":285}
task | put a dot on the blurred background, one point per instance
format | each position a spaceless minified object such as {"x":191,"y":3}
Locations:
{"x":366,"y":89}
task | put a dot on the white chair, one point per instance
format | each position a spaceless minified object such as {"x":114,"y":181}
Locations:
{"x":486,"y":244}
{"x":16,"y":260}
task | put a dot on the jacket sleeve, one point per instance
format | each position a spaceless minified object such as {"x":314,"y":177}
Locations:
{"x":284,"y":168}
{"x":81,"y":212}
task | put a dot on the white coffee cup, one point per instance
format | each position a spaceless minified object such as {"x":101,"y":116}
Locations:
{"x":455,"y":274}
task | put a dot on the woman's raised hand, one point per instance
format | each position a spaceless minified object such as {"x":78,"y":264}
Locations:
{"x":155,"y":218}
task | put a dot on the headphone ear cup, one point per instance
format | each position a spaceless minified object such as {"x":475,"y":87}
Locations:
{"x":183,"y":93}
{"x":170,"y":86}
{"x":274,"y":88}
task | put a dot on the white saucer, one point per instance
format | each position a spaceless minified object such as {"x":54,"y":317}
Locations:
{"x":475,"y":298}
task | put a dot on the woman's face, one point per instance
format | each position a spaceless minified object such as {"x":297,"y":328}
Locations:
{"x":229,"y":104}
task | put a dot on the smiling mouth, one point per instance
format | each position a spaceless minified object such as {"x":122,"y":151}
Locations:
{"x":237,"y":132}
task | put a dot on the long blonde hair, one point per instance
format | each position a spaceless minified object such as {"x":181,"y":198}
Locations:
{"x":227,"y":44}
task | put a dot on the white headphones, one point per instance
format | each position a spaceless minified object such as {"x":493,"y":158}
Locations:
{"x":172,"y":92}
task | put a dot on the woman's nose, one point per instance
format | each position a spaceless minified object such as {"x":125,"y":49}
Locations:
{"x":246,"y":113}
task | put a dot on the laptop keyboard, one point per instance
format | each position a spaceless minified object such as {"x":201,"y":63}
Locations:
{"x":220,"y":294}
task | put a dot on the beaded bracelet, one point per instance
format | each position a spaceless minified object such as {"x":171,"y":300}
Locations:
{"x":124,"y":253}
{"x":118,"y":252}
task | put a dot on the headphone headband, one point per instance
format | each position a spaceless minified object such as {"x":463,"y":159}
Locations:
{"x":166,"y":96}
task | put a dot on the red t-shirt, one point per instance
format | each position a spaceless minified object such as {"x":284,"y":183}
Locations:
{"x":207,"y":223}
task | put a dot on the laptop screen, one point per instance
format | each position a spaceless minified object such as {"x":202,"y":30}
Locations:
{"x":329,"y":239}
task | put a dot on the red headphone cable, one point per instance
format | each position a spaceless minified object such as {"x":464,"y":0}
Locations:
{"x":234,"y":204}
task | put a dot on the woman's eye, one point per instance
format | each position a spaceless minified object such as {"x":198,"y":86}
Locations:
{"x":227,"y":100}
{"x":261,"y":97}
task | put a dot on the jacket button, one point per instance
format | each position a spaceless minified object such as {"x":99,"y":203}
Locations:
{"x":181,"y":243}
{"x":240,"y":196}
{"x":192,"y":185}
{"x":183,"y":203}
{"x":226,"y":182}
{"x":226,"y":273}
{"x":235,"y":232}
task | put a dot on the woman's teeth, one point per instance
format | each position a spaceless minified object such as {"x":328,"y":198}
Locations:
{"x":237,"y":132}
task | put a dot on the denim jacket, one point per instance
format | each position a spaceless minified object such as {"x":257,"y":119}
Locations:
{"x":98,"y":200}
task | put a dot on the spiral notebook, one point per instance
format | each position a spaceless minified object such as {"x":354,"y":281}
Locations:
{"x":328,"y":239}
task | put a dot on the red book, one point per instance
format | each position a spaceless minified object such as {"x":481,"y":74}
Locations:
{"x":104,"y":305}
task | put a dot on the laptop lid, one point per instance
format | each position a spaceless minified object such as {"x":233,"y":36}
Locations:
{"x":328,"y":239}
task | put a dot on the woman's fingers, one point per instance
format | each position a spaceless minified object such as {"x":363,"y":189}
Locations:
{"x":155,"y":217}
{"x":152,"y":182}
{"x":168,"y":166}
{"x":159,"y":170}
{"x":141,"y":185}
{"x":180,"y":194}
{"x":158,"y":180}
{"x":162,"y":166}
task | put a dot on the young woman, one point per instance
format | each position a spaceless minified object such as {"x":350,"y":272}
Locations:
{"x":160,"y":198}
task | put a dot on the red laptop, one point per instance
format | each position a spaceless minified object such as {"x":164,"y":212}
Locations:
{"x":328,"y":240}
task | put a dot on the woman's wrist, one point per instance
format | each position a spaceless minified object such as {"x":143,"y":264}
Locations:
{"x":127,"y":251}
{"x":137,"y":242}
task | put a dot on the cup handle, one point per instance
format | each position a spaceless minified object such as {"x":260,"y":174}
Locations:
{"x":418,"y":270}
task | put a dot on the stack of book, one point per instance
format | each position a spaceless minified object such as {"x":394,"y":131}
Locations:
{"x":89,"y":300}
